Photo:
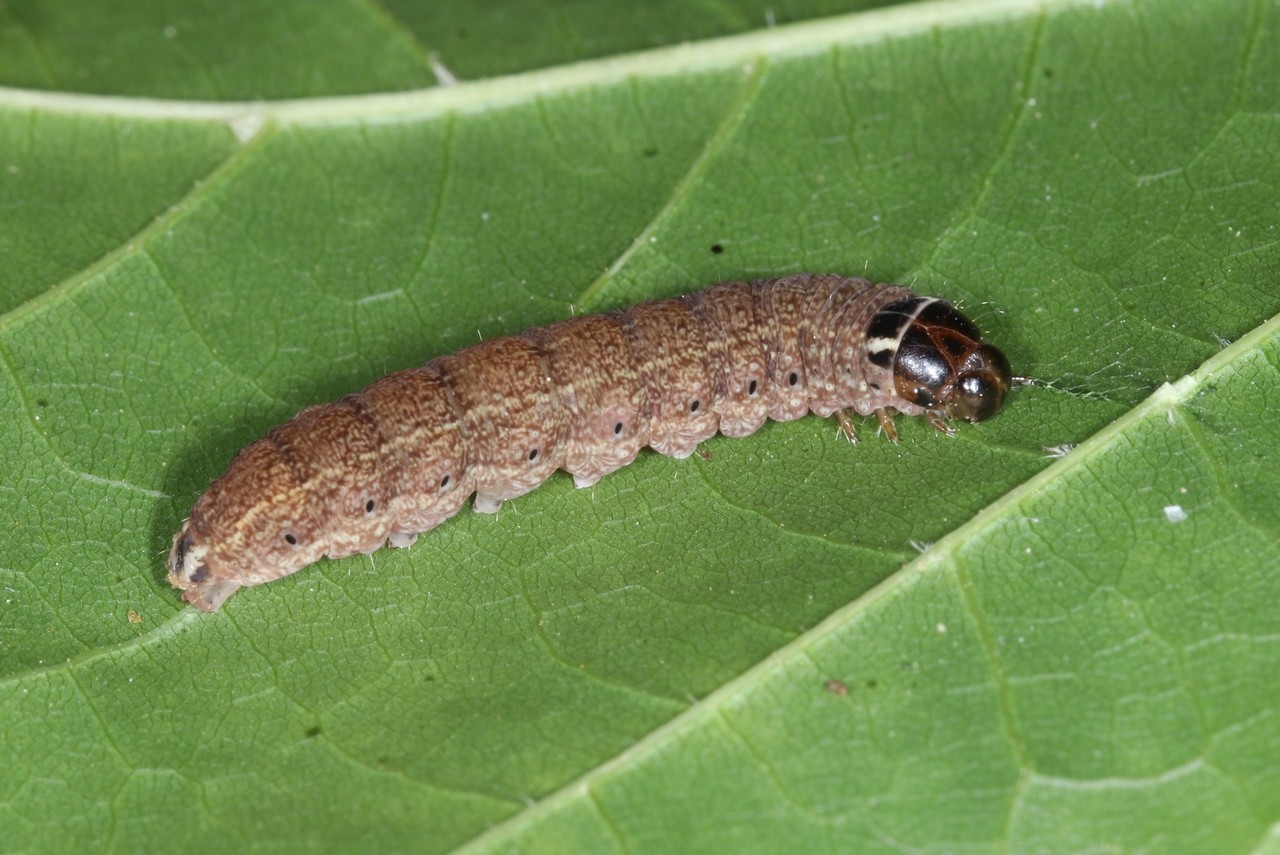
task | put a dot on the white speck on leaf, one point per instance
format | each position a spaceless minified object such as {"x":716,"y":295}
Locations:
{"x":246,"y":126}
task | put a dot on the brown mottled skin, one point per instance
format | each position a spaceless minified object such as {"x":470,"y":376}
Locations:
{"x":583,"y":395}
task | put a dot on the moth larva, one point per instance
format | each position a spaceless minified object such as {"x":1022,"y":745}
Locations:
{"x":583,"y":395}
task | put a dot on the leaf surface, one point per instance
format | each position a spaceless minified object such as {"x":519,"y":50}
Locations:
{"x":1053,"y":632}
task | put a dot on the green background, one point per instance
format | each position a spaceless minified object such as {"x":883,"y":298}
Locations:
{"x":969,"y":644}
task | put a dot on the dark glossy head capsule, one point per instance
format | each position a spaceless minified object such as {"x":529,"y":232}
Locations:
{"x":943,"y":365}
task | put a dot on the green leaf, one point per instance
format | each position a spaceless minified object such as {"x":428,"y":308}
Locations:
{"x":248,"y":49}
{"x":981,"y":643}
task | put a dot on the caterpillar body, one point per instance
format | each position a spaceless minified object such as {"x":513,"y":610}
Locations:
{"x":584,"y":395}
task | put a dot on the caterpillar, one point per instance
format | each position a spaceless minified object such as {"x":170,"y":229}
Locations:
{"x":584,"y":395}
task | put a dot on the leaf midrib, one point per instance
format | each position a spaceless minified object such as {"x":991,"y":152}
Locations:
{"x":788,"y":40}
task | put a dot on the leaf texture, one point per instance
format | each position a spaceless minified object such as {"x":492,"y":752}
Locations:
{"x":1054,"y":632}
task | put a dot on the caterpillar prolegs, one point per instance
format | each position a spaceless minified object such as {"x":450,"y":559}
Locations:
{"x":583,"y":395}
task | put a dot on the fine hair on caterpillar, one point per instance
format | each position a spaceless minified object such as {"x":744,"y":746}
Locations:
{"x":496,"y":419}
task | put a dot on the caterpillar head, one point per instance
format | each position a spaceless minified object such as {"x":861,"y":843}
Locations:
{"x":244,"y":530}
{"x":943,"y":365}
